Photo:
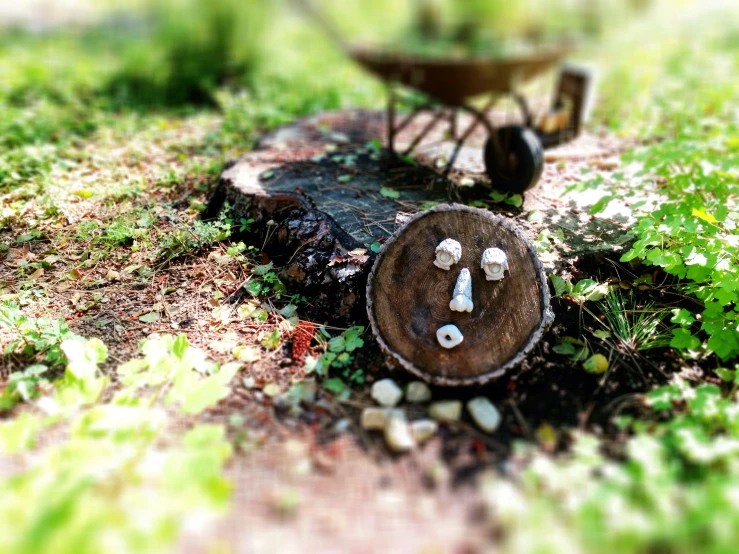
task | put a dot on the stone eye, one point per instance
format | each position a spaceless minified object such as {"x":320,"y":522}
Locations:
{"x":448,"y":253}
{"x":494,"y":263}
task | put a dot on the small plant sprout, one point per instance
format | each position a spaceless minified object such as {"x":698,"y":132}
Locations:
{"x":635,"y":328}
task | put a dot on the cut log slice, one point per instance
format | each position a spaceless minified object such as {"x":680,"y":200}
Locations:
{"x":408,"y":297}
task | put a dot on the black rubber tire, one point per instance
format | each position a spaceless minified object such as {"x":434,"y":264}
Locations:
{"x":528,"y":159}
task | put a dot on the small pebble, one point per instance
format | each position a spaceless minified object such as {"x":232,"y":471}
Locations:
{"x":423,"y":429}
{"x":342,"y":426}
{"x":398,"y":433}
{"x":373,"y":418}
{"x":418,"y":392}
{"x":446,"y":410}
{"x":437,"y":475}
{"x":484,"y":413}
{"x":386,"y":393}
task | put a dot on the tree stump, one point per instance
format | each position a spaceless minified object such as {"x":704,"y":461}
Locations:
{"x":316,"y":211}
{"x":408,"y":297}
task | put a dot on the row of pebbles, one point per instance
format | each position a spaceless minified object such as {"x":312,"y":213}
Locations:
{"x":402,"y":435}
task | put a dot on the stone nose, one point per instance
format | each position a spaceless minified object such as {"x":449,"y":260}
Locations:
{"x":462,"y":295}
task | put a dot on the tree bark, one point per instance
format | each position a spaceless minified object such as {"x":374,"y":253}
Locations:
{"x":319,"y":219}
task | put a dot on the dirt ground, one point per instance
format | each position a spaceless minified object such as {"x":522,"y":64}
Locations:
{"x":311,"y":480}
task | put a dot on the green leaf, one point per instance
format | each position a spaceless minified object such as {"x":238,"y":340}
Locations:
{"x":272,"y":340}
{"x":597,"y":363}
{"x":515,"y":200}
{"x":663,"y":398}
{"x":564,"y":348}
{"x":704,"y":216}
{"x":288,"y":311}
{"x":260,"y":314}
{"x":683,"y":339}
{"x":254,"y":287}
{"x":262,"y":270}
{"x":376,"y":247}
{"x":180,"y":346}
{"x":561,"y":287}
{"x":19,"y":433}
{"x":26,"y":237}
{"x":601,"y":204}
{"x":389,"y":193}
{"x":580,"y":354}
{"x":589,"y":290}
{"x":246,"y":310}
{"x":726,"y":375}
{"x":336,"y":386}
{"x":209,"y":391}
{"x":352,"y":340}
{"x":151,"y":317}
{"x":337,"y":344}
{"x":682,"y":317}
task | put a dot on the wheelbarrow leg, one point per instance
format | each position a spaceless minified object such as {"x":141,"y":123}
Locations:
{"x":426,"y":130}
{"x":480,"y":118}
{"x":528,"y":119}
{"x":391,"y":119}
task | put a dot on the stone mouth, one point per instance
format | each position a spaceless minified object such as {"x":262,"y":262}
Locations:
{"x":449,"y":336}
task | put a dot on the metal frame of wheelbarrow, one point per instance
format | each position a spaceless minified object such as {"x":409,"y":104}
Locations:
{"x":450,"y":114}
{"x":448,"y":84}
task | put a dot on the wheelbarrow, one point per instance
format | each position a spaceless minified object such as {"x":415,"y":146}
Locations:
{"x":513,"y":154}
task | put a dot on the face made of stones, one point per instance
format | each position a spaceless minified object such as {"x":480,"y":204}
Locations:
{"x":493,"y":263}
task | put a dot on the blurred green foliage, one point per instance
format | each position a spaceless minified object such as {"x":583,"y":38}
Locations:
{"x":672,"y":487}
{"x":187,"y":49}
{"x":117,"y":481}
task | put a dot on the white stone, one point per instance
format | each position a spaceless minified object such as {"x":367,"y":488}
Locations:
{"x":448,"y":253}
{"x":386,"y":393}
{"x":398,"y":433}
{"x":418,"y":392}
{"x":494,"y":263}
{"x":423,"y":429}
{"x":446,"y":410}
{"x":484,"y":414}
{"x":462,"y":297}
{"x":373,"y":418}
{"x":449,"y":336}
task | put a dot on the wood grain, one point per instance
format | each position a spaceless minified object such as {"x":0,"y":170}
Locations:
{"x":408,"y":297}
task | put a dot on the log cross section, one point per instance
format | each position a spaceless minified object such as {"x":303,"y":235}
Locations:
{"x":408,"y":297}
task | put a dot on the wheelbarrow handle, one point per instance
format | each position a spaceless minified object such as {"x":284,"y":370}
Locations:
{"x":309,"y":10}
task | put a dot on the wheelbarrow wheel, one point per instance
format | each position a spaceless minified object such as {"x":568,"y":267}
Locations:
{"x":518,"y":165}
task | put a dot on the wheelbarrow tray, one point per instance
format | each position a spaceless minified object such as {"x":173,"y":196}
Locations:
{"x":452,"y":80}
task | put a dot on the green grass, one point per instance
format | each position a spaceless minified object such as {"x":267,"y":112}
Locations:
{"x":636,"y":328}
